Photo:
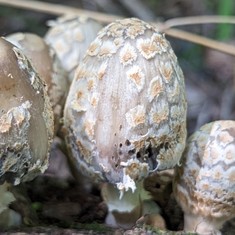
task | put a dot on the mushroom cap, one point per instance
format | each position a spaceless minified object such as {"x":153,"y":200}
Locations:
{"x":26,"y":118}
{"x":205,"y":181}
{"x":45,"y":62}
{"x":70,"y":37}
{"x":125,"y":114}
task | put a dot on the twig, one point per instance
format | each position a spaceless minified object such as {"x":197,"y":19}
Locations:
{"x":213,"y":44}
{"x":57,"y":9}
{"x":206,"y":19}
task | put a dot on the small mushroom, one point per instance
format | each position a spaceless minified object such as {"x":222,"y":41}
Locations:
{"x":70,"y":37}
{"x":125,"y":114}
{"x":45,"y":62}
{"x":26,"y":118}
{"x":204,"y":185}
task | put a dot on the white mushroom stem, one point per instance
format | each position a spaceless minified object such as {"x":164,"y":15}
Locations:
{"x":137,"y":169}
{"x":6,"y":197}
{"x":125,"y":211}
{"x":8,"y":217}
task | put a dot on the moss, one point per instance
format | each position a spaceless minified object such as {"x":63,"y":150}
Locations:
{"x":96,"y":227}
{"x":155,"y":231}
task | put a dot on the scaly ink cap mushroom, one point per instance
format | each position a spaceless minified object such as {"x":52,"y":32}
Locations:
{"x":125,"y":114}
{"x":70,"y":37}
{"x":205,"y":181}
{"x":47,"y":65}
{"x":26,"y":118}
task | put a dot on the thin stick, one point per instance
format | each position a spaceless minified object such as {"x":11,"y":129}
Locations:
{"x":57,"y":9}
{"x":207,"y":42}
{"x":206,"y":19}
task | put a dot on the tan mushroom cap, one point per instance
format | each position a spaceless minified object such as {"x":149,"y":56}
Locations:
{"x":48,"y":66}
{"x":205,"y":181}
{"x":70,"y":37}
{"x":125,"y":114}
{"x":26,"y":118}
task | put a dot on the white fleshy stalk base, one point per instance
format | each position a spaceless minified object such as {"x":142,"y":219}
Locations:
{"x":8,"y":217}
{"x":125,"y":211}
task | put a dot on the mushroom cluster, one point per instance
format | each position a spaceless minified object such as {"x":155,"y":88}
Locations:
{"x":204,"y":185}
{"x":33,"y":80}
{"x":125,"y":114}
{"x":124,"y":123}
{"x":26,"y":121}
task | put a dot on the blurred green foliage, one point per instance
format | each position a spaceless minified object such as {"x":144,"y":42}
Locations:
{"x":226,"y":8}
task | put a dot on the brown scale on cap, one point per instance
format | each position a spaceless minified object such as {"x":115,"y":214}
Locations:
{"x":205,"y":181}
{"x":132,"y":120}
{"x":70,"y":36}
{"x":47,"y":65}
{"x":26,"y":118}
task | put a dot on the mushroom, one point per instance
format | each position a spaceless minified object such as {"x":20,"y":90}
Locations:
{"x":26,"y":120}
{"x":204,"y":184}
{"x":70,"y":36}
{"x":125,"y":114}
{"x":45,"y":62}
